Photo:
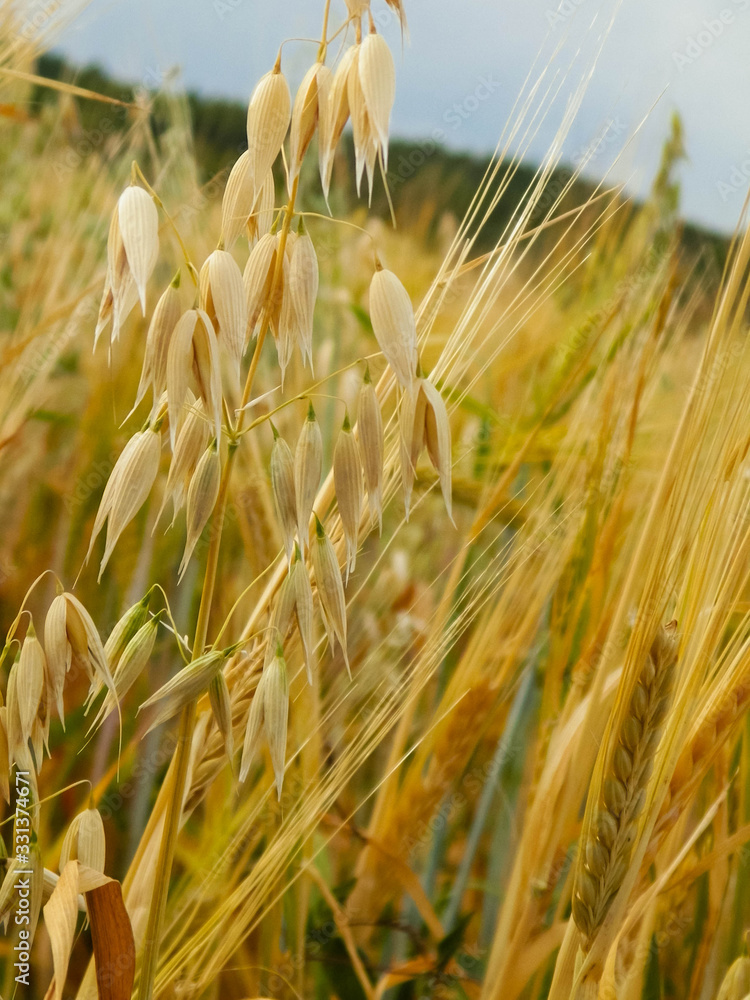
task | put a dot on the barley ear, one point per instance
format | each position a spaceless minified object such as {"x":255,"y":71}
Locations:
{"x":607,"y":844}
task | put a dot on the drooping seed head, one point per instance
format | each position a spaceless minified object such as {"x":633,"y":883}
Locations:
{"x":84,"y":841}
{"x":185,"y":686}
{"x":130,"y":666}
{"x":282,"y":486}
{"x":192,"y":439}
{"x":221,"y":707}
{"x":377,"y":77}
{"x":85,"y":642}
{"x":370,"y":432}
{"x":193,"y":357}
{"x":308,"y":467}
{"x":437,"y":436}
{"x":276,"y":715}
{"x":261,"y":217}
{"x":201,"y":499}
{"x":736,"y":983}
{"x":304,"y":610}
{"x":238,"y":200}
{"x":128,"y":488}
{"x":268,"y":117}
{"x":302,"y":288}
{"x":309,"y":110}
{"x":394,"y":326}
{"x":139,"y":227}
{"x":30,"y":683}
{"x":347,"y":478}
{"x":4,"y":755}
{"x":336,"y":117}
{"x":330,"y":588}
{"x":411,"y":437}
{"x":120,"y":292}
{"x":130,"y":623}
{"x":365,"y":143}
{"x":223,"y":299}
{"x":164,"y":320}
{"x":257,"y":279}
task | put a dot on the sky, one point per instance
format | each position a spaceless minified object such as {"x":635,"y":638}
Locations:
{"x":465,"y":63}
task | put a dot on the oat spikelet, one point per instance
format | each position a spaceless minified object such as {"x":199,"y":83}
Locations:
{"x":302,"y":288}
{"x":127,"y":489}
{"x":164,"y":320}
{"x":257,"y":278}
{"x":71,"y":638}
{"x":14,"y":727}
{"x":120,"y":292}
{"x":282,"y":486}
{"x":268,"y":116}
{"x":308,"y":467}
{"x":193,"y":356}
{"x":201,"y":499}
{"x":139,"y":228}
{"x":223,"y":299}
{"x":330,"y":589}
{"x":84,"y":841}
{"x":131,"y":622}
{"x":377,"y":77}
{"x":30,"y":683}
{"x":4,"y":753}
{"x":269,"y":711}
{"x":237,"y":203}
{"x":191,"y":442}
{"x":304,"y":610}
{"x":365,"y":144}
{"x":394,"y":326}
{"x":221,"y":706}
{"x":294,"y":602}
{"x":736,"y":983}
{"x":371,"y":447}
{"x":337,"y":115}
{"x":347,"y":478}
{"x":424,"y":421}
{"x":308,"y":112}
{"x":130,"y":666}
{"x":191,"y":681}
{"x":604,"y":855}
{"x":261,"y":217}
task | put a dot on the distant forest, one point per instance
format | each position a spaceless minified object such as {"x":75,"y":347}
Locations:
{"x":422,"y":175}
